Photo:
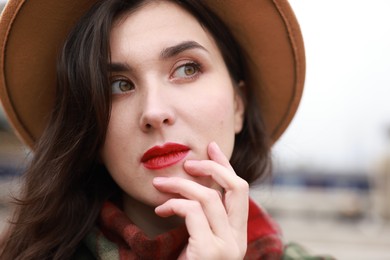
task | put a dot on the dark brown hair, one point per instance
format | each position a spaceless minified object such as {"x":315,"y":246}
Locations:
{"x":65,"y":184}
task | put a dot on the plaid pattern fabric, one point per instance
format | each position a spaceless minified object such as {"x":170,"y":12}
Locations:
{"x":294,"y":251}
{"x":118,"y":238}
{"x":264,"y":236}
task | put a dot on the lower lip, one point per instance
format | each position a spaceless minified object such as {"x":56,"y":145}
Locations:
{"x":166,"y":160}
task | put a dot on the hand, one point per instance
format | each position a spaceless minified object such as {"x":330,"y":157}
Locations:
{"x":216,"y":223}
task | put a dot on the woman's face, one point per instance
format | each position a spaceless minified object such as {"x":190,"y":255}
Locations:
{"x":172,"y":96}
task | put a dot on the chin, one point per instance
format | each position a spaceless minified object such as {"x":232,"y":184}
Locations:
{"x":161,"y":198}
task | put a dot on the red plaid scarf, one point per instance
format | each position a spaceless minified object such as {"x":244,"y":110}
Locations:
{"x":119,"y":238}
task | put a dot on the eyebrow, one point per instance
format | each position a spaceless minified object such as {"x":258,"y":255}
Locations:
{"x":181,"y":47}
{"x":118,"y":67}
{"x":166,"y":53}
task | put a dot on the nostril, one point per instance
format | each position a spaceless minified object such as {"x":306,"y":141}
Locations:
{"x":149,"y":121}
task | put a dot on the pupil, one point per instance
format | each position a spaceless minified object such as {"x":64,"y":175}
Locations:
{"x":123,"y":85}
{"x":189,"y":70}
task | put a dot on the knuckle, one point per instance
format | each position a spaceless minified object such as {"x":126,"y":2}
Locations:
{"x":209,"y":195}
{"x":194,"y":205}
{"x":242,"y":185}
{"x":213,"y":195}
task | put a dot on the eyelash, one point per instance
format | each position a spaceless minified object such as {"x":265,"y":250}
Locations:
{"x":195,"y":65}
{"x":118,"y":80}
{"x":197,"y":70}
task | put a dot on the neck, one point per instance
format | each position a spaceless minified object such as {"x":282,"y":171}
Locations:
{"x":146,"y":219}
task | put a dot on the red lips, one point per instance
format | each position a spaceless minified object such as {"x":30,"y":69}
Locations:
{"x":159,"y":157}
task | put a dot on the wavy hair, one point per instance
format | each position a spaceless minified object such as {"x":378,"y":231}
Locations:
{"x":65,"y":183}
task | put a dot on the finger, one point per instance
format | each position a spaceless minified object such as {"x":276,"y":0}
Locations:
{"x":209,"y":199}
{"x":195,"y":219}
{"x":217,"y":155}
{"x":236,"y":189}
{"x":227,"y":178}
{"x":206,"y":168}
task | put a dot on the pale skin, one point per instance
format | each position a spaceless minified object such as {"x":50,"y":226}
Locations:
{"x":162,"y":92}
{"x":217,"y":224}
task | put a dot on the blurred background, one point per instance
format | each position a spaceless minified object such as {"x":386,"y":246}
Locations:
{"x":330,"y":189}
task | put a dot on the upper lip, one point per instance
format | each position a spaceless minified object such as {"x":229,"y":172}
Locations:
{"x":161,"y":150}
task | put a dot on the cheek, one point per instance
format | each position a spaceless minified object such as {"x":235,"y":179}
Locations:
{"x":118,"y":136}
{"x":223,"y":116}
{"x":113,"y":136}
{"x":109,"y":150}
{"x":216,"y":117}
{"x":222,"y":111}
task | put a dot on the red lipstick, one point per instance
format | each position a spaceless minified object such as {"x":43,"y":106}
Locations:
{"x":159,"y":157}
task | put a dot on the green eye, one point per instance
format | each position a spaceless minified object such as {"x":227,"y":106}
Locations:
{"x":120,"y":86}
{"x":187,"y":70}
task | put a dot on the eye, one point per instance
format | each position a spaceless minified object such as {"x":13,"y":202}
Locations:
{"x":121,"y":86}
{"x":188,"y":70}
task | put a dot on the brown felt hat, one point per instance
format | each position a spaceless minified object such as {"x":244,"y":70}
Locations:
{"x":31,"y":34}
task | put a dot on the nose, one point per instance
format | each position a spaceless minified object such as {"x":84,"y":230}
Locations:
{"x":157,"y":111}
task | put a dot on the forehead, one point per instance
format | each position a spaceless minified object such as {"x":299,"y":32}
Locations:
{"x":158,"y":22}
{"x":146,"y":14}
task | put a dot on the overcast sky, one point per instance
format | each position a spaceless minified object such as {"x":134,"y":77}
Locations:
{"x":345,"y":109}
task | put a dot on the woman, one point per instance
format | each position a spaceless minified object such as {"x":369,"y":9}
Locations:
{"x":159,"y":122}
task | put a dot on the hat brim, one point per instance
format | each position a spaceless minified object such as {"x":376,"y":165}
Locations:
{"x":32,"y":33}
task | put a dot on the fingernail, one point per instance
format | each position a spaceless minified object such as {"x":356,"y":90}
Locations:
{"x":213,"y":143}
